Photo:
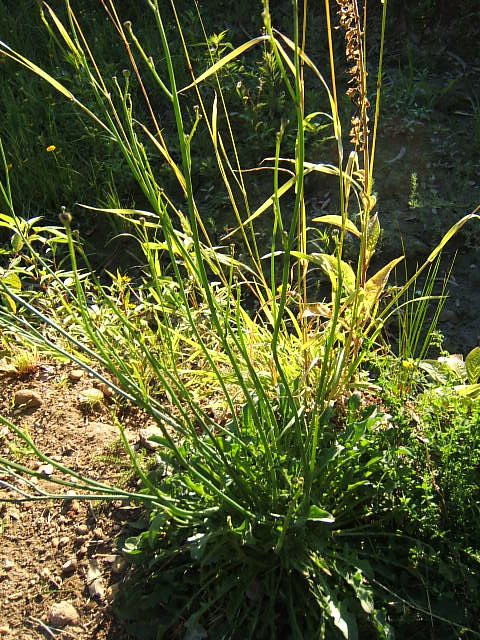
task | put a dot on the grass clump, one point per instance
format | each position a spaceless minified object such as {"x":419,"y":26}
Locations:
{"x":282,"y":508}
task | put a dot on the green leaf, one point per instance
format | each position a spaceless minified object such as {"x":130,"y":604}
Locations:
{"x":337,"y":221}
{"x":455,"y":364}
{"x":330,"y":266}
{"x":17,"y":242}
{"x":12,"y":281}
{"x":319,"y":515}
{"x":471,"y":391}
{"x":472,"y":363}
{"x":225,"y":60}
{"x":373,"y":233}
{"x":376,"y":284}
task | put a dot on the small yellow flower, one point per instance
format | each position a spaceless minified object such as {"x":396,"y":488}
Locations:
{"x":9,"y":167}
{"x":408,"y":364}
{"x":51,"y":148}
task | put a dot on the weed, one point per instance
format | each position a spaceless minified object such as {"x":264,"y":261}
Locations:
{"x":278,"y":495}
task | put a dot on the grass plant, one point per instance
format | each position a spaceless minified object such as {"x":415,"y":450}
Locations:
{"x":282,"y":480}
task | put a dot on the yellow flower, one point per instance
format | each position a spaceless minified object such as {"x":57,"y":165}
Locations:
{"x":51,"y":148}
{"x":9,"y":166}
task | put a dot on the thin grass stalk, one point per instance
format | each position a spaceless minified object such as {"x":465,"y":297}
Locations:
{"x":377,"y":101}
{"x":206,"y":288}
{"x":289,"y":241}
{"x":146,"y":401}
{"x":254,"y":253}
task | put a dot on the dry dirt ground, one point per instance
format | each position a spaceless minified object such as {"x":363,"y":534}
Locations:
{"x":61,"y":562}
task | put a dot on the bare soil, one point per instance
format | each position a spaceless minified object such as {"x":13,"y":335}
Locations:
{"x":68,"y":551}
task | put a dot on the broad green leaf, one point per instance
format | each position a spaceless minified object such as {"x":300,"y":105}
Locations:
{"x":472,"y":363}
{"x":17,"y":242}
{"x":363,"y":592}
{"x":319,"y":515}
{"x":435,"y":369}
{"x":455,"y":364}
{"x":329,"y":265}
{"x":471,"y":391}
{"x":12,"y":280}
{"x":337,"y":221}
{"x":376,"y":284}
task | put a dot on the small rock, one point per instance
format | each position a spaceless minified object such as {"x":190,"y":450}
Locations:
{"x":63,"y":614}
{"x":75,"y":375}
{"x":90,"y":397}
{"x":55,"y":542}
{"x":46,"y":469}
{"x":4,"y":630}
{"x":98,"y":533}
{"x":27,"y":397}
{"x":45,"y":573}
{"x":144,"y":436}
{"x":106,"y":390}
{"x":81,"y":530}
{"x":69,"y":566}
{"x":96,"y":586}
{"x":8,"y":564}
{"x":63,"y":541}
{"x":101,"y":432}
{"x":82,"y":551}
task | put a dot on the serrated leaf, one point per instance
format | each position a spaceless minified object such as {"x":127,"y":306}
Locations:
{"x":337,"y":221}
{"x":472,"y":364}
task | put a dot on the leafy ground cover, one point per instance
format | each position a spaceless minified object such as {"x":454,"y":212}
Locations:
{"x":315,"y":472}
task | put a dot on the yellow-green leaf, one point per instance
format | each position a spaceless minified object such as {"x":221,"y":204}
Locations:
{"x":376,"y":284}
{"x":337,"y":221}
{"x":450,"y":233}
{"x":472,"y":363}
{"x":471,"y":391}
{"x":12,"y":281}
{"x":225,"y":60}
{"x":63,"y":32}
{"x":330,"y":266}
{"x":373,"y":233}
{"x":17,"y":242}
